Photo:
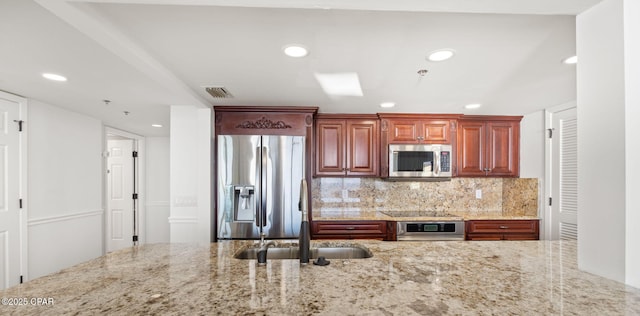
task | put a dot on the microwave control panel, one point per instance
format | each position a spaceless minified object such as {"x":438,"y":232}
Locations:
{"x":445,"y":161}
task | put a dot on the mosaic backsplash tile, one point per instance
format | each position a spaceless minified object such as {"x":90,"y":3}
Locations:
{"x":458,"y":196}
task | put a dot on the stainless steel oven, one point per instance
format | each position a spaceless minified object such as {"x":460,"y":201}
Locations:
{"x":427,"y":225}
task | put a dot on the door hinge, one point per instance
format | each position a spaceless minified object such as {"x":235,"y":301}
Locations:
{"x":550,"y":132}
{"x":550,"y":201}
{"x":21,"y":279}
{"x":135,"y":196}
{"x":20,"y":202}
{"x":135,"y":154}
{"x":135,"y":238}
{"x":19,"y":124}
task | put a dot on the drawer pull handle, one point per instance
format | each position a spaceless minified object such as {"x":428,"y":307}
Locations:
{"x":504,"y":227}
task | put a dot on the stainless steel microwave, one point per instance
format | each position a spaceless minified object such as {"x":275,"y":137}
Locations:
{"x":420,"y":161}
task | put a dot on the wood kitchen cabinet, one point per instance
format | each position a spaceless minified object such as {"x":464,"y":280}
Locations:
{"x":402,"y":131}
{"x":409,"y":128}
{"x":347,"y":145}
{"x":502,"y":230}
{"x":349,"y":230}
{"x":488,"y":146}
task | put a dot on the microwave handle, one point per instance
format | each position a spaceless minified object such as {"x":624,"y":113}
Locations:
{"x":436,"y":163}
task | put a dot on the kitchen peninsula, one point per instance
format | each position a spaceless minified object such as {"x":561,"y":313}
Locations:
{"x":402,"y":278}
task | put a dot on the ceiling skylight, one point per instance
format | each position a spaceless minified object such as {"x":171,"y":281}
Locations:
{"x":340,"y":84}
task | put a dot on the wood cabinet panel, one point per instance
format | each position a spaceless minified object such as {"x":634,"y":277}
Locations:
{"x":470,"y":149}
{"x":504,"y":148}
{"x":263,"y":120}
{"x":346,"y":146}
{"x":488,"y":146}
{"x":362,"y":148}
{"x":330,"y":154}
{"x":417,"y":131}
{"x":403,"y":131}
{"x":502,"y":229}
{"x":349,"y":230}
{"x":436,"y":132}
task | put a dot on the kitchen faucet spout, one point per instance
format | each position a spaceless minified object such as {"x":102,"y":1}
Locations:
{"x":262,"y":252}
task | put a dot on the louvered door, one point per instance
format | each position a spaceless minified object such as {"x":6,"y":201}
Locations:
{"x":564,"y":208}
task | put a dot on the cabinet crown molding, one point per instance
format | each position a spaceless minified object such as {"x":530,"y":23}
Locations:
{"x":517,"y":118}
{"x":451,"y":116}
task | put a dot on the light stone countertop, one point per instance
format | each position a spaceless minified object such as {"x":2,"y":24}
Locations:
{"x":402,"y":278}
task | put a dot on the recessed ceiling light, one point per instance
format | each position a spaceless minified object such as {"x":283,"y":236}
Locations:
{"x":571,"y":60}
{"x":472,"y":106}
{"x":387,"y":104}
{"x":340,"y":84}
{"x":54,"y":77}
{"x":156,"y":125}
{"x":295,"y":50}
{"x":441,"y":55}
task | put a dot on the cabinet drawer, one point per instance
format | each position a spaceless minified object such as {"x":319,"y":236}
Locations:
{"x":502,"y":226}
{"x":349,"y":228}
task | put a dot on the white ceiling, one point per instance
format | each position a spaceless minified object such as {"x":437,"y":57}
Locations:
{"x":146,"y":55}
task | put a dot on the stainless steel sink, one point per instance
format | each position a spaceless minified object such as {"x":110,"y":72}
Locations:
{"x":315,"y":252}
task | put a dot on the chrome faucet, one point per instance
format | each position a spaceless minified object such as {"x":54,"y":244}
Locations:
{"x":304,"y":240}
{"x":262,"y":252}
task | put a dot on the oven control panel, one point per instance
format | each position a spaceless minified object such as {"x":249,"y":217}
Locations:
{"x":431,"y":227}
{"x":430,"y":230}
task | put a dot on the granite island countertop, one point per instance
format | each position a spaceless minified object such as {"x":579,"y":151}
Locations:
{"x":402,"y":278}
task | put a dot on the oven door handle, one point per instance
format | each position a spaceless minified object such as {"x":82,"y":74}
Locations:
{"x":399,"y":230}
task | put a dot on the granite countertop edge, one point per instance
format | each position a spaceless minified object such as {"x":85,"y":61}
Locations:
{"x":374,"y":215}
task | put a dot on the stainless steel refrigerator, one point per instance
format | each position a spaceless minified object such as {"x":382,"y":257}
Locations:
{"x":258,"y":181}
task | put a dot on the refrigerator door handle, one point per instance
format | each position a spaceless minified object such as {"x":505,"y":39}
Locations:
{"x":263,"y":187}
{"x":258,"y":172}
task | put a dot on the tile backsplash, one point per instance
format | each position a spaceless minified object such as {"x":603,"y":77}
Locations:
{"x":512,"y":196}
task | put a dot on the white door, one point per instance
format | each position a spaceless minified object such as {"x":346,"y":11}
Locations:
{"x":120,"y":194}
{"x":564,"y":206}
{"x":10,"y":225}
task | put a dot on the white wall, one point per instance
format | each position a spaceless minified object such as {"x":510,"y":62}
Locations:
{"x":190,"y":173}
{"x":601,"y":130}
{"x":157,"y":194}
{"x":632,"y":145}
{"x":532,"y":140}
{"x":532,"y":156}
{"x":65,"y":216}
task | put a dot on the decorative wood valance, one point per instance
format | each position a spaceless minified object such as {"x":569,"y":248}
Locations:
{"x":263,"y":123}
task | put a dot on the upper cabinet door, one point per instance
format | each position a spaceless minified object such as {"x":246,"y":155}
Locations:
{"x":489,"y":148}
{"x":403,"y":131}
{"x":504,"y":143}
{"x":330,"y":145}
{"x":436,"y":131}
{"x":471,"y":148}
{"x":347,"y":147}
{"x":362,"y":148}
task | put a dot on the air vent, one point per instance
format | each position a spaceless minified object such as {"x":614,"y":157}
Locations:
{"x":219,"y":92}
